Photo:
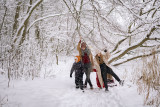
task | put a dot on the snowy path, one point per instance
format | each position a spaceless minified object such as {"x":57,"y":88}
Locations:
{"x":59,"y":91}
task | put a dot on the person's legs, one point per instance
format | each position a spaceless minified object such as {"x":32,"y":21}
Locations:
{"x":110,"y":71}
{"x":81,"y":81}
{"x":88,"y":69}
{"x":85,"y":71}
{"x":77,"y":82}
{"x":89,"y":80}
{"x":104,"y":75}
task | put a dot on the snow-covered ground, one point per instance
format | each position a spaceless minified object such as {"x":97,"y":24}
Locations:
{"x":58,"y":90}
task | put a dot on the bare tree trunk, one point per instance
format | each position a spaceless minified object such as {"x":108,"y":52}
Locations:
{"x":57,"y":52}
{"x":15,"y":25}
{"x":9,"y":71}
{"x":8,"y":77}
{"x":56,"y":59}
{"x":3,"y":20}
{"x":23,"y":28}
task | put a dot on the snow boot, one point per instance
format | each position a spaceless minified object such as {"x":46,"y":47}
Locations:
{"x":121,"y":82}
{"x":106,"y":90}
{"x":91,"y":87}
{"x":84,"y":86}
{"x":81,"y":88}
{"x":77,"y":86}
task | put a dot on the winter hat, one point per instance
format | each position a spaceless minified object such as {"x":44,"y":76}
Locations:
{"x":78,"y":58}
{"x":83,"y":45}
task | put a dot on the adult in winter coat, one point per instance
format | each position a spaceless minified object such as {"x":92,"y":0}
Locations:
{"x":87,"y":60}
{"x":99,"y":79}
{"x":78,"y":68}
{"x":104,"y":70}
{"x":106,"y":57}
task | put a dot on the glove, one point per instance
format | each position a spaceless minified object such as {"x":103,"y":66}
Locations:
{"x":70,"y":76}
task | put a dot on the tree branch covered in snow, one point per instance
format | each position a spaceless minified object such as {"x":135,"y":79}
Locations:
{"x":18,"y":36}
{"x":143,"y":20}
{"x":127,"y":49}
{"x":42,"y":18}
{"x":135,"y":57}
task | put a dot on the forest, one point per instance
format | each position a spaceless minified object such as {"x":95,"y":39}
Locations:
{"x":37,"y":34}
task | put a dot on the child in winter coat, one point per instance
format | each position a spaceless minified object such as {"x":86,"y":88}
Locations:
{"x":78,"y":68}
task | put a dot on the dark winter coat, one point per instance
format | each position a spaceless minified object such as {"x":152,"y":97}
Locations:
{"x":78,"y":68}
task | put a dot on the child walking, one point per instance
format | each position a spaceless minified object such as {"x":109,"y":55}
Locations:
{"x":78,"y":68}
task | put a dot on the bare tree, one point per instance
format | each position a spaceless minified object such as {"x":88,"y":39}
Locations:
{"x":142,"y":27}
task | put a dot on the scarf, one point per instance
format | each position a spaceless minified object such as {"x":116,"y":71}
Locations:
{"x":87,"y":51}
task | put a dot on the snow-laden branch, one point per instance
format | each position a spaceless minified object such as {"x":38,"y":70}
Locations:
{"x":134,"y":46}
{"x":131,"y":11}
{"x":135,"y":57}
{"x":3,"y":18}
{"x":137,"y":11}
{"x":45,"y":17}
{"x":25,"y":20}
{"x":154,"y":39}
{"x":117,"y":45}
{"x":69,"y":9}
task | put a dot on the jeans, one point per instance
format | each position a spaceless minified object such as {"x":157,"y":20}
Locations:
{"x":106,"y":70}
{"x":87,"y":70}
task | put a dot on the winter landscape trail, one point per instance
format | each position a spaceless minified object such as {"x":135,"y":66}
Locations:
{"x":59,"y":91}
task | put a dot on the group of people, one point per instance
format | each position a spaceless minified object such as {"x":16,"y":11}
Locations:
{"x":84,"y":63}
